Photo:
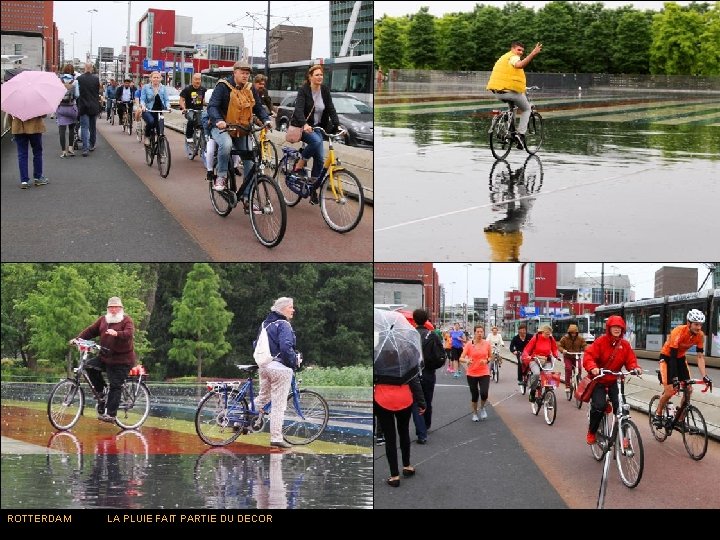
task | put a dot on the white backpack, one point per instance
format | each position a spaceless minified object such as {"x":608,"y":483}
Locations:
{"x":262,"y":353}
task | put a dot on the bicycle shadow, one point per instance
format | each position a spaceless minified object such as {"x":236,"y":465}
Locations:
{"x":511,"y":193}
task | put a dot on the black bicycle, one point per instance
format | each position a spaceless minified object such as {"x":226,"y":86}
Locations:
{"x":67,"y":398}
{"x":127,"y":123}
{"x":687,"y":419}
{"x":265,"y":204}
{"x":159,"y":146}
{"x":503,"y":134}
{"x":199,"y":143}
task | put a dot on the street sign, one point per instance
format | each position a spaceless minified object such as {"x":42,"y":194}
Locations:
{"x":480,"y":304}
{"x":106,"y":54}
{"x":153,"y":65}
{"x":528,"y":311}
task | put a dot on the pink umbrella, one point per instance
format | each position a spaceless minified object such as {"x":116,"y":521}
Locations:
{"x":31,"y":93}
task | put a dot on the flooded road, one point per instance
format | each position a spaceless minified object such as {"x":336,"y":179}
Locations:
{"x":165,"y":465}
{"x":612,"y":170}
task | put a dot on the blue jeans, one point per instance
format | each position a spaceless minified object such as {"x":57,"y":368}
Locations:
{"x":225,"y":144}
{"x":424,"y":421}
{"x":87,"y":123}
{"x":35,"y":141}
{"x":151,"y":121}
{"x":314,"y":149}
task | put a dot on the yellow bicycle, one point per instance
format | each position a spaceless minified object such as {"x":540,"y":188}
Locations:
{"x":268,"y":154}
{"x":338,"y":191}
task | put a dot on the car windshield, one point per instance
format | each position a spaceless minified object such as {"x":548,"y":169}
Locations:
{"x":344,"y":105}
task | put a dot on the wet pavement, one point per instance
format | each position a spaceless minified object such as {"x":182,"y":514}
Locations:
{"x":165,"y":465}
{"x":614,"y":169}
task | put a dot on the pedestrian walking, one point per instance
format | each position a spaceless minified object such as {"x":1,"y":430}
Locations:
{"x":88,"y":107}
{"x":67,"y":112}
{"x":28,"y":134}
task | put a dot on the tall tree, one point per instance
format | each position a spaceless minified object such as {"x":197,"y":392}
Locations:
{"x":708,"y":58}
{"x":390,"y":35}
{"x":422,"y":40}
{"x":674,"y":49}
{"x":56,"y":311}
{"x":200,"y":320}
{"x":631,"y":47}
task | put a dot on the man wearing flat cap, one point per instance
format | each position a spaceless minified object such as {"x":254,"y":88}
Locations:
{"x":116,"y":331}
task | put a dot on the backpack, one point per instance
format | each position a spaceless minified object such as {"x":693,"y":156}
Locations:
{"x":262,"y":353}
{"x":240,"y":108}
{"x":69,"y":97}
{"x":433,"y":353}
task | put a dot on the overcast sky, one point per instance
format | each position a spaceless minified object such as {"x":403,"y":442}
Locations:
{"x":396,"y":9}
{"x":109,"y":24}
{"x":505,"y":277}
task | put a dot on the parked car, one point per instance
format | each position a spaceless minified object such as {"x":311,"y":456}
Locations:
{"x":354,"y":115}
{"x":173,"y":97}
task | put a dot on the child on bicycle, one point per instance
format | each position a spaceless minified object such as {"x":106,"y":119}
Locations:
{"x":612,"y":352}
{"x":116,"y":331}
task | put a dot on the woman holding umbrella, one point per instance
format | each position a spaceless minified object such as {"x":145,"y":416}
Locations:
{"x":396,"y":386}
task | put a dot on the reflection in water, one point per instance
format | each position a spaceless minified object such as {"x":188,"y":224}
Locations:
{"x":119,"y":469}
{"x":229,"y":480}
{"x":510,"y":193}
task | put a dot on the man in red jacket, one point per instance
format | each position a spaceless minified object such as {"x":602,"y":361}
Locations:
{"x":116,"y":331}
{"x":610,"y":351}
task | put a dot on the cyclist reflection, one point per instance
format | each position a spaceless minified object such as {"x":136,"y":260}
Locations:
{"x":511,"y":192}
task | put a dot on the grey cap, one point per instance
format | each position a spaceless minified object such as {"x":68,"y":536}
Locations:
{"x":242,"y":64}
{"x":114,"y":301}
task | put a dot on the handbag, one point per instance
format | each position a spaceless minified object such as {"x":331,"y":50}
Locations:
{"x":585,"y":389}
{"x":294,"y":133}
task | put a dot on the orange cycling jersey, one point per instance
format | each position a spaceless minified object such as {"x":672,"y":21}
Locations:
{"x":682,"y":339}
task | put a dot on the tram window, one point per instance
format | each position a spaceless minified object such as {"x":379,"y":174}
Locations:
{"x":274,"y":82}
{"x":358,"y":80}
{"x":677,"y":317}
{"x":339,"y":80}
{"x":654,"y":324}
{"x":299,"y":78}
{"x":286,"y":80}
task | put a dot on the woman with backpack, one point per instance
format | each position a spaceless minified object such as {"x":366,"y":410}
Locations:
{"x":67,"y":112}
{"x":276,"y":375}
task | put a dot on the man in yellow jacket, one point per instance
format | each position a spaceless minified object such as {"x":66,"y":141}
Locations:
{"x":507,"y":81}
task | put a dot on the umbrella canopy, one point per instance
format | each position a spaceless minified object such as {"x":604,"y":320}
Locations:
{"x":31,"y":93}
{"x":10,"y":73}
{"x":398,"y":351}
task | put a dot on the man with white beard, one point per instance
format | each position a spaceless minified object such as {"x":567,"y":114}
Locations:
{"x":116,"y":331}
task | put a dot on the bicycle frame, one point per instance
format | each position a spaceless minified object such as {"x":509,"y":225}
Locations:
{"x":623,"y":435}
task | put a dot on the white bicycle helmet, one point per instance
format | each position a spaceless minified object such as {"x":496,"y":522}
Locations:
{"x":695,"y":315}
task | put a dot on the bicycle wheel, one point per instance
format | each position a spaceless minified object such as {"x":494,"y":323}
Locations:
{"x":291,"y":198}
{"x":306,"y":422}
{"x":215,"y":416}
{"x":139,"y":131}
{"x":629,"y":453}
{"x":134,"y":405}
{"x":694,"y":430}
{"x":658,"y":432}
{"x":534,"y":134}
{"x":163,"y":156}
{"x":112,"y":117}
{"x":494,"y":372}
{"x":201,"y":146}
{"x":576,"y":382}
{"x":549,"y":407}
{"x":270,"y":159}
{"x":523,"y":386}
{"x":150,"y":153}
{"x":65,"y":404}
{"x":500,"y":140}
{"x":342,"y":201}
{"x":268,"y":215}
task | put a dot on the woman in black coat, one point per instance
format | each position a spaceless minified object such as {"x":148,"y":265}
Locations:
{"x":314,"y":107}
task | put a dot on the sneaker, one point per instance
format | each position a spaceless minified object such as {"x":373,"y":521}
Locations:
{"x":379,"y":441}
{"x":100,"y":408}
{"x":92,"y":148}
{"x":591,"y":439}
{"x":85,"y":153}
{"x":70,"y":151}
{"x":483,"y":413}
{"x":41,"y":181}
{"x":475,"y":418}
{"x":63,"y":154}
{"x":106,"y":418}
{"x":280,"y":444}
{"x":657,"y":421}
{"x":210,"y":176}
{"x":219,"y":184}
{"x":24,"y":185}
{"x":422,"y":441}
{"x":300,"y":172}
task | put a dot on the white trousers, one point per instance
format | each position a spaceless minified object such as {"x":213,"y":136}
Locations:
{"x":275,"y":382}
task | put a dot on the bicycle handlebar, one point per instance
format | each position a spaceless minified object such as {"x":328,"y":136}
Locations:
{"x":88,"y":344}
{"x":159,"y":111}
{"x":532,"y":88}
{"x":604,"y":371}
{"x":332,"y":135}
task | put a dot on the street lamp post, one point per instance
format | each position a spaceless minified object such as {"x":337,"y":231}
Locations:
{"x":467,"y":286}
{"x":614,"y":268}
{"x":452,"y":301}
{"x":73,"y":49}
{"x":91,"y":11}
